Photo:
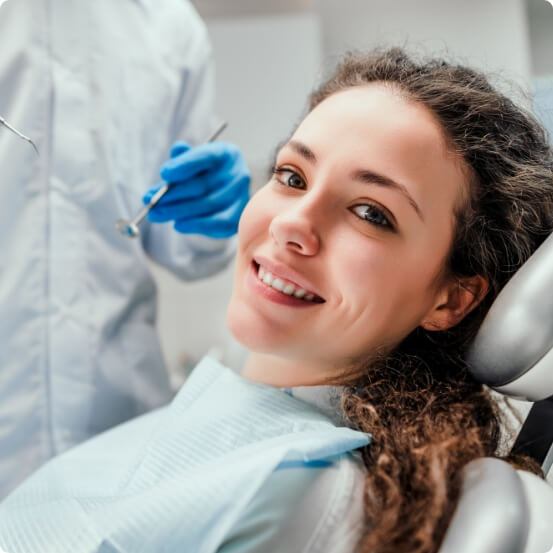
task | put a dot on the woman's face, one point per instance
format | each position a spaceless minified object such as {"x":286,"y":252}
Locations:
{"x":358,"y":219}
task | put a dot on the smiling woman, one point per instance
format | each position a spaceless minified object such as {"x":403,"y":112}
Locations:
{"x":407,"y":198}
{"x":401,"y":205}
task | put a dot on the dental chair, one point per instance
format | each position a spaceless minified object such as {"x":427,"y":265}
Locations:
{"x":501,"y":509}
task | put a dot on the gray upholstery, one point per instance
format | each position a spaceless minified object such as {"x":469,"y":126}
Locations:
{"x":518,"y":330}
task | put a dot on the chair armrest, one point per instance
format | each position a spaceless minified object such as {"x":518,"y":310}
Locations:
{"x":539,"y":497}
{"x":492,"y":515}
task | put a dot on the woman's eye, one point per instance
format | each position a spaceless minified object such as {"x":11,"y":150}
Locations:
{"x":373,"y":214}
{"x":290,"y":178}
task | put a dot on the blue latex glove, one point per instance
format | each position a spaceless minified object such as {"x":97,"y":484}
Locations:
{"x":209,"y":189}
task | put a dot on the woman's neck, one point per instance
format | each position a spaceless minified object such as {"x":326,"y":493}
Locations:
{"x":282,"y":372}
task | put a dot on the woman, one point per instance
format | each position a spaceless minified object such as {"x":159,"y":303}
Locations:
{"x":401,"y":205}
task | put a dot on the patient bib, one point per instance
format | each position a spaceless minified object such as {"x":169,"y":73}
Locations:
{"x":175,"y":480}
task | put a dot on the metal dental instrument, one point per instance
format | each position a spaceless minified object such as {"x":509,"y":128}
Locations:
{"x":130,"y":228}
{"x":15,"y":131}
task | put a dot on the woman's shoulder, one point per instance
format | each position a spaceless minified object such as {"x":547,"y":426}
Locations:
{"x":307,"y":509}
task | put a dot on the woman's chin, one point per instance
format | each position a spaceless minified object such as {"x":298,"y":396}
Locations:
{"x":252,"y":333}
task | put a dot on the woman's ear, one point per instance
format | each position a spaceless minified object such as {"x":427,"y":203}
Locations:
{"x":456,"y":300}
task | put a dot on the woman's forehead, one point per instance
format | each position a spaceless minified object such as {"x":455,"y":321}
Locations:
{"x":373,"y":124}
{"x":376,"y":109}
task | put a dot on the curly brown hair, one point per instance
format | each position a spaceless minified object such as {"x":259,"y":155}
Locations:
{"x":426,"y":413}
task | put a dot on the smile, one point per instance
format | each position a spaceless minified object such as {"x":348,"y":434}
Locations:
{"x":285,"y":286}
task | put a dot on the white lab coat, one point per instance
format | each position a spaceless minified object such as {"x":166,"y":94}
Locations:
{"x":103,"y":87}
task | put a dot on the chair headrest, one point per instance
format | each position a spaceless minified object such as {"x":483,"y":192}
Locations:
{"x":513,"y":350}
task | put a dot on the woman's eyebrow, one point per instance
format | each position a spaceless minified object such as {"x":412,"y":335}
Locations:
{"x":371,"y":177}
{"x":303,"y":150}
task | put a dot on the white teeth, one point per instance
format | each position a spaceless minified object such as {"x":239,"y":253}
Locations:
{"x":278,"y":284}
{"x":287,"y":288}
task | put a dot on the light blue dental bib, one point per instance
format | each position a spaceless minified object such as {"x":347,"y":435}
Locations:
{"x":174,"y":480}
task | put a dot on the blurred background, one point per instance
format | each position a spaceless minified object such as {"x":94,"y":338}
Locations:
{"x":269,"y":54}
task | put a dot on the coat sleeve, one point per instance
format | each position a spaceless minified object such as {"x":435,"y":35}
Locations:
{"x":193,"y":119}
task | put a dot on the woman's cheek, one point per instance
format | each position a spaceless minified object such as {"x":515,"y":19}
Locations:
{"x":245,"y":222}
{"x":255,"y":218}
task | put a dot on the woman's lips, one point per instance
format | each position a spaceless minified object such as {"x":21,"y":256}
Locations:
{"x":271,"y":294}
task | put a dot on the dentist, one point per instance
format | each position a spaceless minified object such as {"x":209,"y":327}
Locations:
{"x":103,"y":88}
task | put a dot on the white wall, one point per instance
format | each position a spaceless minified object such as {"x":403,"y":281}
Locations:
{"x":540,"y":18}
{"x":266,"y":66}
{"x":490,"y":34}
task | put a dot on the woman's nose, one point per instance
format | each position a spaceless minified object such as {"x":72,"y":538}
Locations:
{"x":295,"y":230}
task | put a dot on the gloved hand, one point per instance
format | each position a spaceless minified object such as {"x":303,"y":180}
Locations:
{"x":209,"y":189}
